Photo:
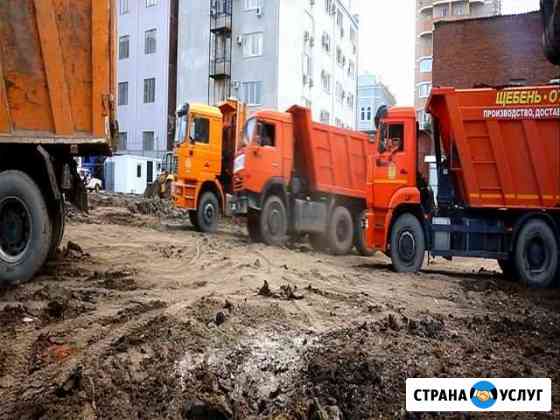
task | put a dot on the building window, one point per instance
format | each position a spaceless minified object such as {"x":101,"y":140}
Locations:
{"x":424,"y":90}
{"x":326,"y":81}
{"x":307,"y":65}
{"x":325,"y":117}
{"x":339,"y":18}
{"x":339,"y":92}
{"x":426,"y":65}
{"x":123,"y":7}
{"x":459,"y":9}
{"x":326,"y":42}
{"x":363,"y":114}
{"x":350,"y":100}
{"x":441,"y":11}
{"x":124,"y":47}
{"x":139,"y":170}
{"x":339,"y":56}
{"x":151,"y":3}
{"x":369,"y":113}
{"x":351,"y":69}
{"x":329,"y":5}
{"x":149,"y":91}
{"x":123,"y":140}
{"x":253,"y":44}
{"x":307,"y":103}
{"x":252,"y":4}
{"x":150,"y":41}
{"x":252,"y":93}
{"x":123,"y":93}
{"x":148,"y":141}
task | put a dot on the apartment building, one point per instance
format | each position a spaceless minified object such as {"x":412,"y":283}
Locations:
{"x":147,"y":75}
{"x":271,"y":54}
{"x":372,"y":94}
{"x":427,"y":13}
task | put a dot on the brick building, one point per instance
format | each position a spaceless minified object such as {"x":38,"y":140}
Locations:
{"x":491,"y":51}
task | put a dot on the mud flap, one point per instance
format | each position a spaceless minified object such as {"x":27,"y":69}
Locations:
{"x":77,"y":194}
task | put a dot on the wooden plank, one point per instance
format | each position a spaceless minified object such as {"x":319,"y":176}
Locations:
{"x":101,"y":63}
{"x":54,"y":67}
{"x":5,"y":117}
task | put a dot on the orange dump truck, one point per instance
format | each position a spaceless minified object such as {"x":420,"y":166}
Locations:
{"x":293,"y":177}
{"x":56,"y":103}
{"x":498,"y":161}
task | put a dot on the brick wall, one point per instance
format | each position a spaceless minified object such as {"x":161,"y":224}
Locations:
{"x":491,"y":51}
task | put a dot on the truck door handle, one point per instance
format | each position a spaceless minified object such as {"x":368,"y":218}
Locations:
{"x":275,"y":165}
{"x":207,"y":165}
{"x":404,"y":172}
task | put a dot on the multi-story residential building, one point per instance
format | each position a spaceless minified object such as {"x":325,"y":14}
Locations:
{"x":427,"y":13}
{"x":271,"y":54}
{"x":147,"y":75}
{"x":372,"y":94}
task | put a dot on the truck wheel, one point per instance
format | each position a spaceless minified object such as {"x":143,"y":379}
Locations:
{"x":208,"y":213}
{"x":253,"y":226}
{"x":25,"y":228}
{"x":58,"y":217}
{"x":360,"y":237}
{"x":274,"y":222}
{"x":340,"y":232}
{"x":536,"y":254}
{"x":407,"y":244}
{"x":318,"y":241}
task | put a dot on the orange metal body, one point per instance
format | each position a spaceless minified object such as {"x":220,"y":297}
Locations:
{"x":209,"y":166}
{"x":503,"y":149}
{"x":333,"y":160}
{"x":57,"y":61}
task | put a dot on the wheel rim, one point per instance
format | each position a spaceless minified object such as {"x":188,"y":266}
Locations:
{"x":536,"y":255}
{"x":342,"y":229}
{"x":275,"y":220}
{"x":15,"y":220}
{"x":407,"y":246}
{"x":209,"y":213}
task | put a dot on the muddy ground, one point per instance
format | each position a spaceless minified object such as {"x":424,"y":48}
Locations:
{"x":140,"y":317}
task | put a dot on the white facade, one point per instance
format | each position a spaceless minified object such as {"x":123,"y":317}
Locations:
{"x":130,"y":174}
{"x":143,"y":114}
{"x":279,"y":56}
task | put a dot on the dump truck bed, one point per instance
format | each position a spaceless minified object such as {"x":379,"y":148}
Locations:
{"x":503,"y":146}
{"x":333,"y":160}
{"x":57,"y":63}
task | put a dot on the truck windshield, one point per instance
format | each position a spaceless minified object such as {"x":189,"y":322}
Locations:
{"x":248,"y":132}
{"x":180,"y":132}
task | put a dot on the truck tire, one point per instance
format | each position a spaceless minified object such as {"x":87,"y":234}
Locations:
{"x":508,"y":269}
{"x":208,"y":213}
{"x":340,"y":232}
{"x":274,"y":221}
{"x":360,"y":237}
{"x":25,"y":228}
{"x":536,"y":254}
{"x":408,"y":244}
{"x":253,"y":226}
{"x":58,"y":222}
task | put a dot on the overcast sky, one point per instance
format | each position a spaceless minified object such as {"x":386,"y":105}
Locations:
{"x":387,"y":40}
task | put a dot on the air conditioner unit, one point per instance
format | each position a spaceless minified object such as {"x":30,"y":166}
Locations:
{"x":259,"y":11}
{"x":311,"y":83}
{"x":235,"y":84}
{"x":304,"y":79}
{"x":306,"y":36}
{"x":333,"y":9}
{"x":239,"y":39}
{"x":311,"y":41}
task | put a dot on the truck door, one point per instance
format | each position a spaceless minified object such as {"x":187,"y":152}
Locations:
{"x":205,"y":150}
{"x":392,"y":164}
{"x":266,"y":157}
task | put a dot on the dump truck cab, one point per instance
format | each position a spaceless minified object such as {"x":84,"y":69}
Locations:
{"x":205,"y":139}
{"x":264,"y":160}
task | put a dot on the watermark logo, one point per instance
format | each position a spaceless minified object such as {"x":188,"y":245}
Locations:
{"x":472,"y":394}
{"x":484,"y":394}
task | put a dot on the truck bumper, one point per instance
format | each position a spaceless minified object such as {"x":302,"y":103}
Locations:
{"x":184,"y":195}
